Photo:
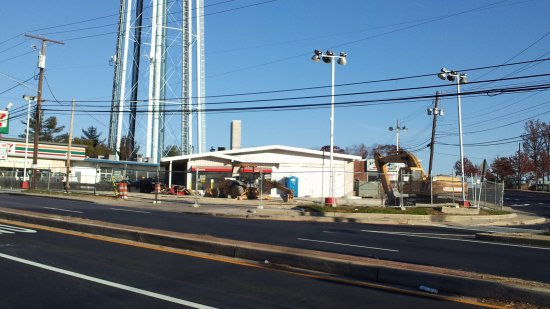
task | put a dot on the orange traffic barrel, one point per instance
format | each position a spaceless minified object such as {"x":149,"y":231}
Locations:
{"x":123,"y":190}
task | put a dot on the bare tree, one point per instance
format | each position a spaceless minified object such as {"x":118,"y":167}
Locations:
{"x":384,"y":149}
{"x":358,"y":150}
{"x":335,"y":149}
{"x":534,"y":145}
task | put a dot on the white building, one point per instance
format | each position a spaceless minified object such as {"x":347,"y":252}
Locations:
{"x":275,"y":162}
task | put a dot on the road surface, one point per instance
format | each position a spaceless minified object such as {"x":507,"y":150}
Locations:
{"x":435,"y":246}
{"x":42,"y":269}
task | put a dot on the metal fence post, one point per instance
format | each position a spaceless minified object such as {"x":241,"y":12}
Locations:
{"x":261,"y":190}
{"x":485,"y":195}
{"x":49,"y":178}
{"x":431,"y":192}
{"x":196,"y":188}
{"x":502,"y":196}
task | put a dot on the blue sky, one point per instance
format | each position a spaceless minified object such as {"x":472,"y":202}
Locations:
{"x":266,"y":46}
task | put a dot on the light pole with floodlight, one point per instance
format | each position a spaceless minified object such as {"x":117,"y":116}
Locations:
{"x":451,"y":76}
{"x":29,"y":100}
{"x":397,"y":130}
{"x":328,"y":57}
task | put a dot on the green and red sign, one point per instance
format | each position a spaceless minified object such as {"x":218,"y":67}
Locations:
{"x":4,"y":122}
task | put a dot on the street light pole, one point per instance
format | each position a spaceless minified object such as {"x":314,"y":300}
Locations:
{"x":460,"y":79}
{"x":460,"y":139}
{"x":29,"y":100}
{"x":329,"y":57}
{"x":397,"y":129}
{"x":331,"y":192}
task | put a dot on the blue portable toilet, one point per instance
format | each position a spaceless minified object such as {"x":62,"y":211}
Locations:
{"x":292,"y":183}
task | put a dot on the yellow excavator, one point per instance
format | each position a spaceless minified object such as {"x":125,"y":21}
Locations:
{"x":414,"y":181}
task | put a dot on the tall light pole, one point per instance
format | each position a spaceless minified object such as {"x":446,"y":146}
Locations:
{"x":328,"y":57}
{"x":29,"y":100}
{"x":397,"y":130}
{"x":460,"y":79}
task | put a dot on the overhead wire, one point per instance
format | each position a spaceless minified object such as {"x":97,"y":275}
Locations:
{"x":370,"y":102}
{"x":494,"y":91}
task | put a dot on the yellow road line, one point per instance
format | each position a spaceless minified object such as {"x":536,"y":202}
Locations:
{"x":250,"y":264}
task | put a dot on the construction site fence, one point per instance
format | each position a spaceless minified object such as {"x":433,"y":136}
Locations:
{"x":313,"y":183}
{"x":486,"y":194}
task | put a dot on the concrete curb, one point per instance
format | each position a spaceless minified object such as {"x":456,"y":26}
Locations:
{"x":386,"y":272}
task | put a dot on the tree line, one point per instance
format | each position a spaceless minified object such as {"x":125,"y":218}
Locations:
{"x":530,"y":163}
{"x":532,"y":159}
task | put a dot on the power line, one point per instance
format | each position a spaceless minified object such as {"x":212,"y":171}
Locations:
{"x":492,"y":92}
{"x":501,"y":141}
{"x":371,"y":102}
{"x":18,"y":84}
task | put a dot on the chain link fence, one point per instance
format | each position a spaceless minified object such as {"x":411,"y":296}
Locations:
{"x":391,"y":189}
{"x":487,"y":194}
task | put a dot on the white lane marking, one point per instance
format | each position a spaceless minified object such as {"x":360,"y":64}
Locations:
{"x":348,"y":245}
{"x":461,"y":235}
{"x":492,"y":229}
{"x":143,"y":212}
{"x":60,"y":209}
{"x":457,"y":239}
{"x":107,"y":283}
{"x":8,"y":229}
{"x":520,"y":205}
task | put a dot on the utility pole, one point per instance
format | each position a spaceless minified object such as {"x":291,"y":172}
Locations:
{"x":41,"y":66}
{"x":519,"y":166}
{"x":67,"y":184}
{"x":433,"y":111}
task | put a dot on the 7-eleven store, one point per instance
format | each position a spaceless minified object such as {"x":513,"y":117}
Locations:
{"x":51,"y":157}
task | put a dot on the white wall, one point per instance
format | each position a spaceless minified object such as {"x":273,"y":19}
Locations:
{"x":309,"y":170}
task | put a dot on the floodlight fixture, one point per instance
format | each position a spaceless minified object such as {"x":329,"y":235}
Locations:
{"x":342,"y":60}
{"x":327,"y":57}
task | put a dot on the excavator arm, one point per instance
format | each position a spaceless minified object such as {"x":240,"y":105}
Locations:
{"x":401,"y":156}
{"x":268,"y":184}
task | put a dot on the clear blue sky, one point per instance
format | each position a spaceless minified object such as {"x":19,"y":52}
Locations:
{"x":259,"y":45}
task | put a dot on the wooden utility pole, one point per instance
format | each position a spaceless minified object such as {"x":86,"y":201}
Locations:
{"x":435,"y":112}
{"x":41,"y":66}
{"x":67,"y":181}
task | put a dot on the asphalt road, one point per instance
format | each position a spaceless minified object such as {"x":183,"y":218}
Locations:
{"x":444,"y":247}
{"x":42,"y":269}
{"x":537,"y":203}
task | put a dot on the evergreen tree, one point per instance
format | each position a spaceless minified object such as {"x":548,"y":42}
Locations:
{"x":49,"y":131}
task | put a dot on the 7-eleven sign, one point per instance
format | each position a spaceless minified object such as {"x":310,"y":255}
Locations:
{"x":4,"y":122}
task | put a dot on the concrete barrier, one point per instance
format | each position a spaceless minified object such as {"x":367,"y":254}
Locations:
{"x":386,"y":272}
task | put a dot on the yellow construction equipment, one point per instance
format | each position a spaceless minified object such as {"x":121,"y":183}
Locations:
{"x":413,"y":179}
{"x":246,"y":185}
